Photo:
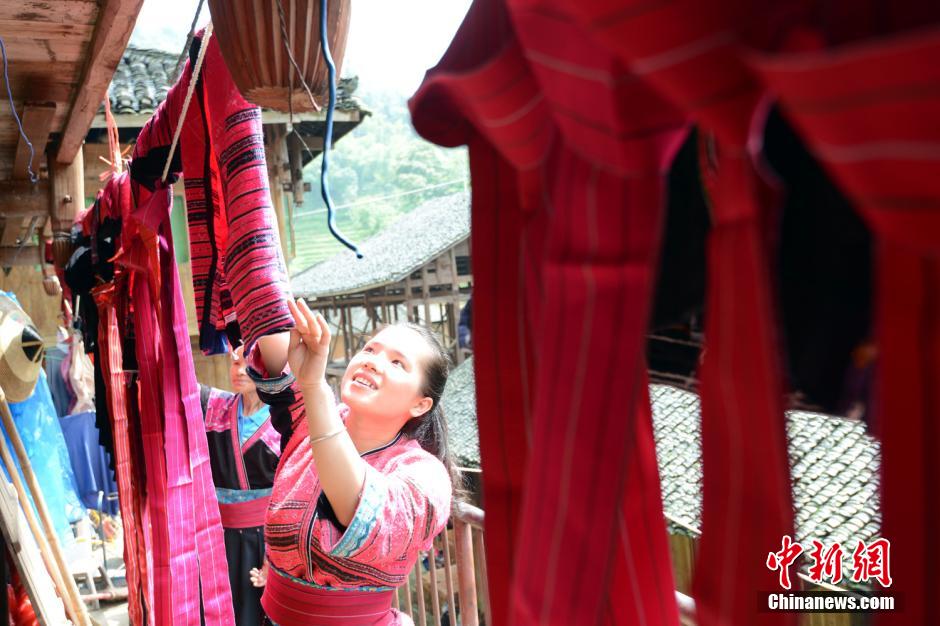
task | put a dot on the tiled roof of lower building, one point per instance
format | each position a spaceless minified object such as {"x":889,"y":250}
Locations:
{"x":395,"y":252}
{"x":834,"y":464}
{"x":460,"y":411}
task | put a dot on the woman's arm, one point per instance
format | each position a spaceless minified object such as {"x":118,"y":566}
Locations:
{"x":340,"y":468}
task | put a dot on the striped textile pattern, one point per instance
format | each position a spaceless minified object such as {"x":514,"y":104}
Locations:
{"x":120,"y":389}
{"x":239,"y":277}
{"x":238,"y":272}
{"x":869,"y":112}
{"x":688,"y":51}
{"x":187,"y":530}
{"x":169,"y":492}
{"x":558,"y":155}
{"x":555,"y":98}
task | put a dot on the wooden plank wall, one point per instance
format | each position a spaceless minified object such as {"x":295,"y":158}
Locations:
{"x":211,"y":370}
{"x":26,"y":283}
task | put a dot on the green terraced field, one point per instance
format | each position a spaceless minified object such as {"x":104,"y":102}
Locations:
{"x":314,"y":243}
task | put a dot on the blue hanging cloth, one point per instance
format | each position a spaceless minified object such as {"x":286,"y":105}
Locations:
{"x":38,"y":425}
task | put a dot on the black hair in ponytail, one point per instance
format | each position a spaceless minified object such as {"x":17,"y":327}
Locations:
{"x":430,"y":428}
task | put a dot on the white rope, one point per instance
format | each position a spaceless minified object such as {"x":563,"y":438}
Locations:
{"x":193,"y":79}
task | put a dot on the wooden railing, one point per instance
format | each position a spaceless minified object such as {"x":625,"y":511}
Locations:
{"x":451,"y":579}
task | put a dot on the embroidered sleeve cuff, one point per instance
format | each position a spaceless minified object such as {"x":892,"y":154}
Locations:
{"x":270,"y":385}
{"x":374,"y":494}
{"x":257,"y":373}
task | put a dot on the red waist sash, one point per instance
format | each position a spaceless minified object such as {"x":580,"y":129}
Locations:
{"x":290,"y":603}
{"x":244,"y":514}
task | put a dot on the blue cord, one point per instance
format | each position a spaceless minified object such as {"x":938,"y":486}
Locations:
{"x":33,"y":177}
{"x":328,"y":135}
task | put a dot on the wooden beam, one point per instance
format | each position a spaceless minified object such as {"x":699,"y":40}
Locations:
{"x":37,"y":122}
{"x":116,"y":20}
{"x":276,"y":117}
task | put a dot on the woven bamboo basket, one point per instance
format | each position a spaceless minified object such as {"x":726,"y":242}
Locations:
{"x":252,"y":44}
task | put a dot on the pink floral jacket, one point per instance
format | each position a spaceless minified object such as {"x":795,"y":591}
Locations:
{"x":404,"y":504}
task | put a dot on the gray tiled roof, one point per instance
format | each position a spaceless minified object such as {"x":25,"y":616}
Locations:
{"x":143,"y":77}
{"x":391,"y":255}
{"x":833,"y":466}
{"x":459,"y":404}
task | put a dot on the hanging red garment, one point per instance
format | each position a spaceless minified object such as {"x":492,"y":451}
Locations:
{"x":190,"y":574}
{"x":239,"y":276}
{"x":587,"y":171}
{"x":689,"y":51}
{"x":114,"y":321}
{"x":870,"y":111}
{"x":173,"y":538}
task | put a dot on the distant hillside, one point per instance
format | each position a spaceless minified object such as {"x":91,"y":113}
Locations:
{"x":377,"y":172}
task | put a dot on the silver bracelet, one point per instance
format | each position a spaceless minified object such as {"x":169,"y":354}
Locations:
{"x":329,"y":435}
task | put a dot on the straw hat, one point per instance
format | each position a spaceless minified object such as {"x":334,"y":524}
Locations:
{"x":20,"y":351}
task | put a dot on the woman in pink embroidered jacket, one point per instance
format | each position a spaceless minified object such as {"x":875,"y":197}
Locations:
{"x":243,"y":452}
{"x":361,"y":487}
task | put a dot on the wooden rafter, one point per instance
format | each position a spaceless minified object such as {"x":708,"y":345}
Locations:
{"x":37,"y":123}
{"x":116,"y":20}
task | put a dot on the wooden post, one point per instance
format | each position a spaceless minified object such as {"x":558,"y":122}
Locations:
{"x":353,"y":333}
{"x":409,"y":607}
{"x":295,"y":157}
{"x":408,"y":308}
{"x":275,"y":148}
{"x":67,"y":199}
{"x":435,"y":599}
{"x":449,"y":578}
{"x":425,"y":294}
{"x":455,"y":290}
{"x":483,"y":582}
{"x":466,"y":578}
{"x":419,"y":582}
{"x":46,"y":537}
{"x":346,"y":338}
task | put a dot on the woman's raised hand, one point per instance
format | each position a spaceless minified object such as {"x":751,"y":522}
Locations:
{"x":309,"y":348}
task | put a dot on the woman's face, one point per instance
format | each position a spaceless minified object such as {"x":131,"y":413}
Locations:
{"x":385,"y":378}
{"x":237,"y":375}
